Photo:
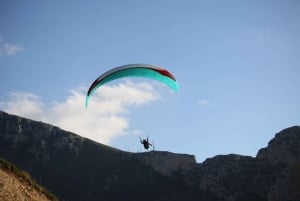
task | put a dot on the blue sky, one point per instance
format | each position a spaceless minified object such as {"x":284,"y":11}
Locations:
{"x":237,"y":64}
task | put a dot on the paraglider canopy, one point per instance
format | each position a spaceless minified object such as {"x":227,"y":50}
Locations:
{"x":134,"y":70}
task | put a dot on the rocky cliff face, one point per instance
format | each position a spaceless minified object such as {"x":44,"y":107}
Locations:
{"x":36,"y":138}
{"x":283,"y":154}
{"x":230,"y":177}
{"x":273,"y":175}
{"x":75,"y":168}
{"x":167,"y":163}
{"x":284,"y":148}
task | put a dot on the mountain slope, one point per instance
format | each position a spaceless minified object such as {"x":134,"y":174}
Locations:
{"x":76,"y":168}
{"x":18,"y":186}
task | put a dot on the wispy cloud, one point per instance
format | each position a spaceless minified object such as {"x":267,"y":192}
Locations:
{"x":204,"y":102}
{"x":105,"y":118}
{"x":8,"y":49}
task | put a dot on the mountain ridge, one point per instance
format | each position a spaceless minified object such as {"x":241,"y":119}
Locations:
{"x":93,"y":171}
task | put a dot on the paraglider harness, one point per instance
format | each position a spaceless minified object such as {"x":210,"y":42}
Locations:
{"x":146,"y":143}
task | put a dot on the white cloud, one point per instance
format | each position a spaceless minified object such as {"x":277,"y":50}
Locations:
{"x":11,"y":49}
{"x":25,"y":104}
{"x":8,"y":49}
{"x":105,"y":118}
{"x":204,"y":102}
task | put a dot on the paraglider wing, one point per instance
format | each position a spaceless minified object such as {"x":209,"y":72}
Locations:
{"x":134,"y":70}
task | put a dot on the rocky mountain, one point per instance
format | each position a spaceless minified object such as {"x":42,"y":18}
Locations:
{"x":76,"y":168}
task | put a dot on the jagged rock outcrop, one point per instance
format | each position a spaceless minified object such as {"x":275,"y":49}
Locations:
{"x":228,"y":176}
{"x":283,"y":154}
{"x":273,"y":175}
{"x":284,"y":148}
{"x":167,"y":163}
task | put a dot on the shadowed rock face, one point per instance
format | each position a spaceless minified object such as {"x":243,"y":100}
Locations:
{"x":273,"y":175}
{"x":76,"y":168}
{"x":283,"y":155}
{"x":167,"y":163}
{"x":284,"y":148}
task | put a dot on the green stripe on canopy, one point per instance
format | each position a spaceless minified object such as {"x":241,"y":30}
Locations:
{"x":136,"y":72}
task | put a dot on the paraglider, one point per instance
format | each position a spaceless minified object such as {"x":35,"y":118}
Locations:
{"x":134,"y":70}
{"x":146,"y":143}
